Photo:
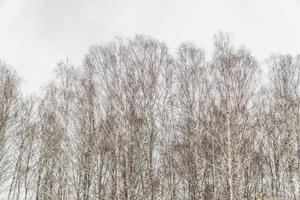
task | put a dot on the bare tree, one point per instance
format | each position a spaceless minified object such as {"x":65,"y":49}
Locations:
{"x":21,"y":181}
{"x":193,"y":102}
{"x":281,"y":127}
{"x":9,"y":93}
{"x":235,"y":84}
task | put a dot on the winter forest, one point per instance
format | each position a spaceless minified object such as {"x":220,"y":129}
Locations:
{"x":137,"y":122}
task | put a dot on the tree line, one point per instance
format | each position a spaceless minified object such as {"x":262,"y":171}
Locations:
{"x":136,"y":122}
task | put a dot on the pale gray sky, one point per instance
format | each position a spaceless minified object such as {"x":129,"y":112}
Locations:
{"x":36,"y":34}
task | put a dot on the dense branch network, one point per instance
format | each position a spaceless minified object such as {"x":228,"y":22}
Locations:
{"x":135,"y":122}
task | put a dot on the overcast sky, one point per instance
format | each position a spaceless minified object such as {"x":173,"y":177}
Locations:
{"x":36,"y":34}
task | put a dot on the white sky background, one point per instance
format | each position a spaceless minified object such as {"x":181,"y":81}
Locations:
{"x":36,"y":34}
